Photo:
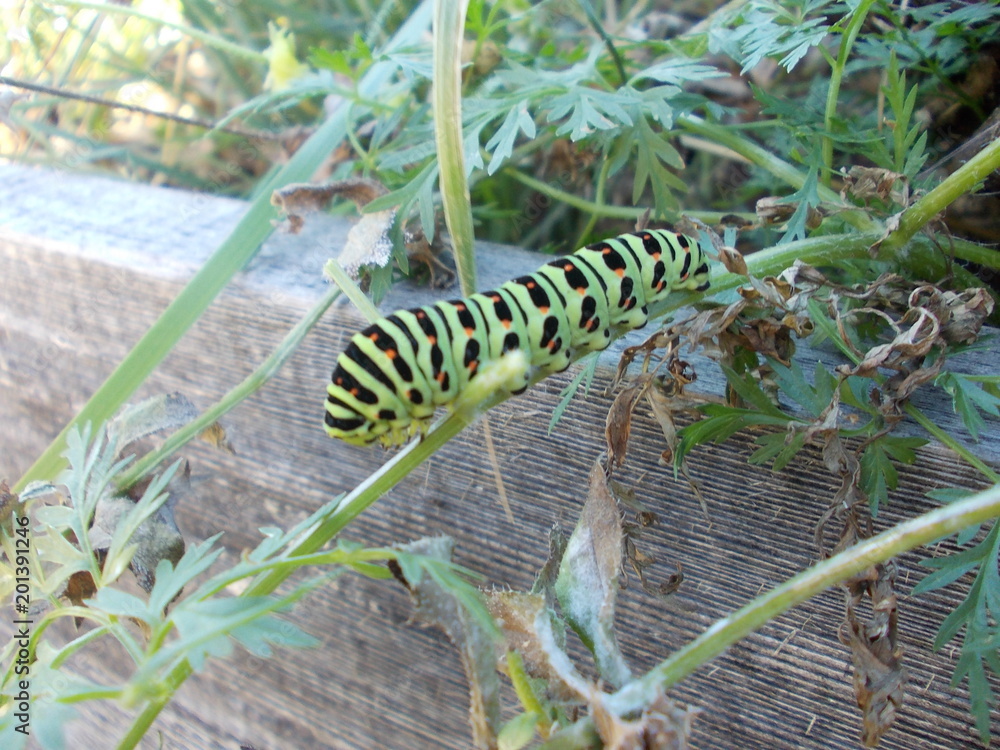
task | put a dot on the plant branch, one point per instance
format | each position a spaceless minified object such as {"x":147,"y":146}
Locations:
{"x":449,"y":34}
{"x":961,"y":182}
{"x":908,"y":535}
{"x":858,"y":17}
{"x":251,"y":384}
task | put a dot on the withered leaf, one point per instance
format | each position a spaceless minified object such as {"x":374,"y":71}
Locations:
{"x":879,"y":676}
{"x":618,"y":424}
{"x":873,"y":182}
{"x":733,"y":260}
{"x":368,"y":241}
{"x":166,"y":411}
{"x":587,"y":587}
{"x":215,"y":435}
{"x":520,"y":617}
{"x":157,"y":538}
{"x":961,"y":314}
{"x":664,"y":725}
{"x":79,"y":586}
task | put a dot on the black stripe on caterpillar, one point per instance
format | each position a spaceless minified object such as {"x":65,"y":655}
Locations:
{"x":395,"y":373}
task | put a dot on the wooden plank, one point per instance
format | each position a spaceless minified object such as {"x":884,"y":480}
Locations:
{"x":88,"y":263}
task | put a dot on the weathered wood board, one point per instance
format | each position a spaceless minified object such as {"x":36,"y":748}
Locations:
{"x":86,"y":264}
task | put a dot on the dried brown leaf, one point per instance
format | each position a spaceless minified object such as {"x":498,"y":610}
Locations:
{"x":961,"y":314}
{"x":865,"y":183}
{"x":775,"y":210}
{"x":618,"y":424}
{"x":664,"y":725}
{"x":215,"y":435}
{"x":79,"y":586}
{"x":733,"y":260}
{"x":879,"y":676}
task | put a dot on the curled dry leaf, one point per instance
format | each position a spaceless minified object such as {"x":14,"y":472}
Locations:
{"x":961,"y":314}
{"x":775,"y":210}
{"x":618,"y":424}
{"x":866,"y":183}
{"x":157,"y":538}
{"x":166,"y":411}
{"x":733,"y":260}
{"x":664,"y":725}
{"x":879,"y":676}
{"x":216,"y":436}
{"x":368,"y":241}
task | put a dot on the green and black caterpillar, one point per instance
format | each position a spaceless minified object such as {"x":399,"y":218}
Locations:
{"x":395,"y":373}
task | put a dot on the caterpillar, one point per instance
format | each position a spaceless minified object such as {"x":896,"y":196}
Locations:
{"x":393,"y":375}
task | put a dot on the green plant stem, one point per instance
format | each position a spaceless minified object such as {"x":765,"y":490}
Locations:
{"x":858,"y":17}
{"x":251,"y":384}
{"x":602,"y":181}
{"x":958,"y":183}
{"x":353,"y":292}
{"x":209,"y":40}
{"x":449,"y":34}
{"x":601,"y":210}
{"x":232,"y":254}
{"x":598,"y":27}
{"x":940,"y":522}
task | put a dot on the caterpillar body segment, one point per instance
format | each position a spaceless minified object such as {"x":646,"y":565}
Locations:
{"x":393,"y":375}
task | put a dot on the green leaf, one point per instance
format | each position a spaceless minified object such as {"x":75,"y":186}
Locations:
{"x":968,"y":399}
{"x":792,"y":382}
{"x":586,"y":372}
{"x":587,"y":111}
{"x":518,"y":732}
{"x":501,"y":145}
{"x":654,"y":154}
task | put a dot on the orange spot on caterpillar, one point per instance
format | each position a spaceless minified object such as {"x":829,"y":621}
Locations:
{"x":620,"y":273}
{"x":505,"y":324}
{"x":582,"y":291}
{"x":353,"y":391}
{"x":390,"y":353}
{"x":470,"y":332}
{"x":567,"y":266}
{"x":440,"y":378}
{"x":473,"y":365}
{"x":543,"y":310}
{"x":432,"y":340}
{"x":373,"y":336}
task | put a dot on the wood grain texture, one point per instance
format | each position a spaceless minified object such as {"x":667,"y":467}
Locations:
{"x":86,"y":264}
